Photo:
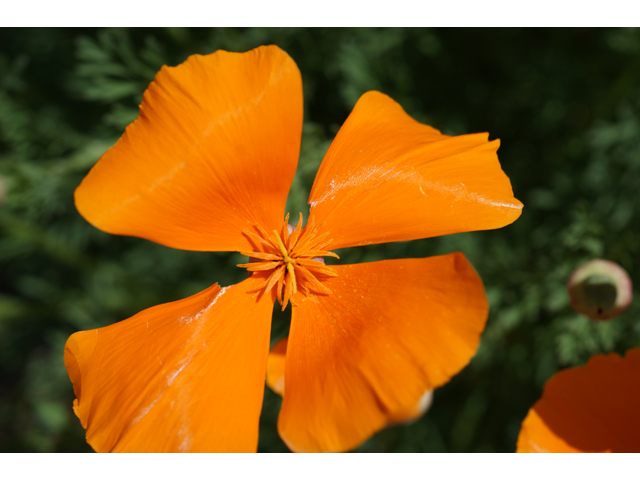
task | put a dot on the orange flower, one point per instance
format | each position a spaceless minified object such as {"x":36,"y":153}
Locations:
{"x":207,"y":166}
{"x":588,"y":409}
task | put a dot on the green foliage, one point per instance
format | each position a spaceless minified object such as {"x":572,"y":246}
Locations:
{"x":565,"y":104}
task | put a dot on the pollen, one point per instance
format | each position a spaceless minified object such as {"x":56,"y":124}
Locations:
{"x":294,"y":258}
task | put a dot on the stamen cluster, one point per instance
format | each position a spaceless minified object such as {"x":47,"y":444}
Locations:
{"x":294,"y":256}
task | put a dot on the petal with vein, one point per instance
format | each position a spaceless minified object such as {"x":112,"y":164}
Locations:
{"x":186,"y":376}
{"x":396,"y":179}
{"x":360,"y":357}
{"x":275,"y":381}
{"x":214,"y":150}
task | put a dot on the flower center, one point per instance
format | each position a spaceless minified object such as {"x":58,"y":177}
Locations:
{"x":294,"y":259}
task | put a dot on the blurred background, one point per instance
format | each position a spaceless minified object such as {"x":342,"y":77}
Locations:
{"x":565,"y":104}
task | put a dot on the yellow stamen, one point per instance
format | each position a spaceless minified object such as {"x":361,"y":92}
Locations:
{"x":283,"y":249}
{"x":286,"y":262}
{"x":296,"y":234}
{"x":292,"y":275}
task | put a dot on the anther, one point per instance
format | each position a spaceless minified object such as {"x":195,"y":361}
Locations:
{"x":293,"y":256}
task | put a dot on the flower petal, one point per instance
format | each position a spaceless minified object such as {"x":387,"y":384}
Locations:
{"x":275,"y":381}
{"x":275,"y":366}
{"x":588,"y":409}
{"x":396,"y":179}
{"x":390,"y":331}
{"x":215,"y":148}
{"x":183,"y":376}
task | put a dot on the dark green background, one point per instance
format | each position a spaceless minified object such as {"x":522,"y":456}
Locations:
{"x":564,"y":102}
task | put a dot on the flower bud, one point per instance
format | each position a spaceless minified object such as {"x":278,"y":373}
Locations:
{"x":600,"y":289}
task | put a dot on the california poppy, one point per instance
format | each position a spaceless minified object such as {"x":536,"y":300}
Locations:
{"x":588,"y":409}
{"x":207,"y":166}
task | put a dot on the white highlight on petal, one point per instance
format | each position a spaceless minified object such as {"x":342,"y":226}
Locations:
{"x":374,"y":177}
{"x":189,"y":318}
{"x":410,"y":416}
{"x":171,"y":377}
{"x":425,"y":401}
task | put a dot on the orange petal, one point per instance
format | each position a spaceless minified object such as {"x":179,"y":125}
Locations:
{"x":390,"y":331}
{"x":275,"y":381}
{"x":594,"y":408}
{"x":214,"y":150}
{"x":396,"y":179}
{"x":275,"y":366}
{"x":183,"y":376}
